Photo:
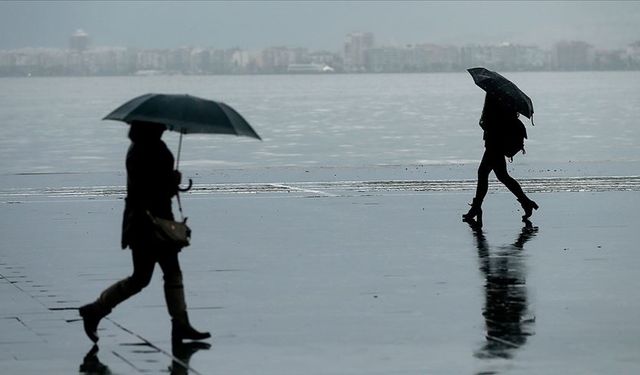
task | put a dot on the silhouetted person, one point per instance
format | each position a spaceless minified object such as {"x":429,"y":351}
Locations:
{"x":496,"y":116}
{"x":505,"y":294}
{"x":151,"y":183}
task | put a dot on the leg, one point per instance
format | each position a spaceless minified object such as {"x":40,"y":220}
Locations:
{"x":500,"y":169}
{"x":143,"y":264}
{"x":173,"y":288}
{"x":174,"y":295}
{"x":142,"y":271}
{"x":485,"y":168}
{"x":475,"y":212}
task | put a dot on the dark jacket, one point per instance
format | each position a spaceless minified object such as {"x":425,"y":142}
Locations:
{"x":151,"y":182}
{"x":496,"y":117}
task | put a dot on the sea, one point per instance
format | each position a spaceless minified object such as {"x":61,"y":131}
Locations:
{"x":54,"y":125}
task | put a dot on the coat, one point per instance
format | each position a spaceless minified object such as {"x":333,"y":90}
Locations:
{"x":151,"y":183}
{"x":501,"y":127}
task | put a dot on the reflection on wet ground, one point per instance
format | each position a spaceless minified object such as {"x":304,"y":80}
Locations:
{"x":180,"y":358}
{"x":372,"y":281}
{"x":508,"y":321}
{"x":91,"y":363}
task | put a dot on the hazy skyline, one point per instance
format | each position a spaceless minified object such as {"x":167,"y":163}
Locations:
{"x":317,"y":25}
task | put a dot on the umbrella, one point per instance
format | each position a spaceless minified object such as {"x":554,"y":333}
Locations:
{"x":495,"y":84}
{"x":184,"y":114}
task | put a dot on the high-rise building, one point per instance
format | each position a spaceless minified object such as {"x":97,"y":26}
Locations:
{"x":79,"y":41}
{"x":355,"y":51}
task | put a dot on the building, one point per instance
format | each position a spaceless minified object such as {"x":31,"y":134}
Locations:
{"x":387,"y":59}
{"x":413,"y":58}
{"x":355,"y":51}
{"x":505,"y":56}
{"x":632,"y":54}
{"x":327,"y":58}
{"x":79,"y":41}
{"x":435,"y":58}
{"x":275,"y":59}
{"x":574,"y":55}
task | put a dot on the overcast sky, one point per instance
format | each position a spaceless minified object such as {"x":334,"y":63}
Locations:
{"x":317,"y":25}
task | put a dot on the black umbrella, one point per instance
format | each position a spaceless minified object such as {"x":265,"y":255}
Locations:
{"x":185,"y":114}
{"x":495,"y":84}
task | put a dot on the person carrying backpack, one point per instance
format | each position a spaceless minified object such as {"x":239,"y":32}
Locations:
{"x":503,"y":137}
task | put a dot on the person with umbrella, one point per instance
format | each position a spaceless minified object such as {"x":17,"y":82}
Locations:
{"x":152,"y":181}
{"x":503,"y":102}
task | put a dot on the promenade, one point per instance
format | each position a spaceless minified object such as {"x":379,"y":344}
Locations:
{"x":334,"y":271}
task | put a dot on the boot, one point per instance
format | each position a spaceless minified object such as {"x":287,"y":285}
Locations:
{"x":528,"y":206}
{"x":181,"y":329}
{"x":91,"y":315}
{"x":475,"y":212}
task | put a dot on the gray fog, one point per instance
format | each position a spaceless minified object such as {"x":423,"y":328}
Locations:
{"x":317,"y":25}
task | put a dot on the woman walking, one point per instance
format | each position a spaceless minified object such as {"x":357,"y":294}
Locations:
{"x":151,"y":183}
{"x":496,"y":117}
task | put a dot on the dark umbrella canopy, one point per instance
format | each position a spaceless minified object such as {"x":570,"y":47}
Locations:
{"x":495,"y":84}
{"x":184,"y":114}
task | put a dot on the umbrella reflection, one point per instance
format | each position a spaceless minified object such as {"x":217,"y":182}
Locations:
{"x":508,"y":321}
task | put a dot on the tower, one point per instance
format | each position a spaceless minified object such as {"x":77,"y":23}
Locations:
{"x":79,"y":41}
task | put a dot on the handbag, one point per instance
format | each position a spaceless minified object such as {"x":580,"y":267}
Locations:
{"x":170,"y":232}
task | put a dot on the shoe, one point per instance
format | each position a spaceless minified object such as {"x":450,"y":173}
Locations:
{"x":182,"y":330}
{"x":475,"y":212}
{"x":528,"y":206}
{"x":91,"y":316}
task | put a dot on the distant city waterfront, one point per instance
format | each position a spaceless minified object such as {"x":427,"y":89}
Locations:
{"x":360,"y":54}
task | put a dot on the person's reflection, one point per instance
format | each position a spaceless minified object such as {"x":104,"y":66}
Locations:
{"x":506,"y":306}
{"x":181,"y":356}
{"x":92,"y":365}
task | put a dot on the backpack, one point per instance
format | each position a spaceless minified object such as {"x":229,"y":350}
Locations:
{"x":512,"y":138}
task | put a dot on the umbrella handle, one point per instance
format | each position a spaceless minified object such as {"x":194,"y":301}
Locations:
{"x":186,"y":188}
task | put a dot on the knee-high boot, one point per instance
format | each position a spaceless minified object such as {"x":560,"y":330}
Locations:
{"x":93,"y":312}
{"x":181,"y":329}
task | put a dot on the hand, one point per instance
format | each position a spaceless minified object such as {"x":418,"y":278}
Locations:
{"x":177,"y":176}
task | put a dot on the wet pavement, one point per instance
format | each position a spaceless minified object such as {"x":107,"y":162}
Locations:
{"x":333,"y":272}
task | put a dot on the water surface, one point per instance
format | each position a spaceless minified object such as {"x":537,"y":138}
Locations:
{"x":54,"y":124}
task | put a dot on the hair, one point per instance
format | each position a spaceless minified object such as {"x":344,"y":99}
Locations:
{"x":144,"y":131}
